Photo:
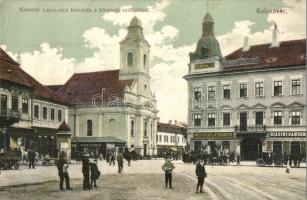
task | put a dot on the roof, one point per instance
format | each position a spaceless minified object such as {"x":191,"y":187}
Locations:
{"x":97,"y":140}
{"x":135,"y":22}
{"x":208,"y":18}
{"x":54,"y":88}
{"x":64,"y":127}
{"x":288,"y":54}
{"x":82,"y":88}
{"x":171,"y":128}
{"x":11,"y":72}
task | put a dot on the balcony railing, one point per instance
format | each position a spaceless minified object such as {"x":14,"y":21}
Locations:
{"x":250,"y":129}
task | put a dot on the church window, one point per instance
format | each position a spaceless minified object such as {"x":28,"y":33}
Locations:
{"x":144,"y":60}
{"x":130,"y":59}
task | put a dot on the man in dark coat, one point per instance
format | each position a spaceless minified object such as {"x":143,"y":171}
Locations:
{"x":201,"y":174}
{"x":62,"y":171}
{"x":112,"y":159}
{"x":31,"y":157}
{"x":120,"y":160}
{"x":86,"y":172}
{"x":95,"y":173}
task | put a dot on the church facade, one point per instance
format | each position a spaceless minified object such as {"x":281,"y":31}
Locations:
{"x":251,"y":101}
{"x":111,"y":109}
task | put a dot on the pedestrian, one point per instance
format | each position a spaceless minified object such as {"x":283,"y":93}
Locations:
{"x":201,"y":174}
{"x":31,"y":158}
{"x":86,"y":172}
{"x":120,"y":160}
{"x":66,"y":177}
{"x":238,"y":159}
{"x":168,"y":168}
{"x":60,"y":165}
{"x":112,"y":158}
{"x":95,"y":173}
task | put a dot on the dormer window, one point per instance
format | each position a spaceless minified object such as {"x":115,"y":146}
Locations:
{"x":130,"y":59}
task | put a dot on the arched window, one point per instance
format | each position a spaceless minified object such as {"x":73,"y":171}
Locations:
{"x":132,"y":128}
{"x":130,"y":59}
{"x":144,"y":60}
{"x":89,"y":128}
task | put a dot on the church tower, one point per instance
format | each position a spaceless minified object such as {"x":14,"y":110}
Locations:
{"x":134,"y":58}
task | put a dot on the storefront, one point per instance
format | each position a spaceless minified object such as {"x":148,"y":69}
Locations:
{"x":95,"y":146}
{"x":214,"y":141}
{"x":290,"y":142}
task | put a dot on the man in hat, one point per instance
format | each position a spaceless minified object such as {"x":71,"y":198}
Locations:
{"x":86,"y":171}
{"x":120,"y":160}
{"x":168,"y":168}
{"x":63,"y":171}
{"x":201,"y":174}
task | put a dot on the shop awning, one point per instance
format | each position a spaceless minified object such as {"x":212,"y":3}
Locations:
{"x":97,"y":140}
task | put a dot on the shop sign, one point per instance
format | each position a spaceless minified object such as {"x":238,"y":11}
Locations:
{"x":287,"y":134}
{"x":64,"y":145}
{"x":204,"y":65}
{"x":89,"y":145}
{"x":215,"y":136}
{"x":110,"y":146}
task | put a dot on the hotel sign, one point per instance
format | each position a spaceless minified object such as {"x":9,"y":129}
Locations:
{"x":204,"y":65}
{"x":214,"y":136}
{"x":287,"y":134}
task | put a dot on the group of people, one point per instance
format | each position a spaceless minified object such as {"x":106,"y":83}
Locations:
{"x":89,"y":170}
{"x":200,"y":171}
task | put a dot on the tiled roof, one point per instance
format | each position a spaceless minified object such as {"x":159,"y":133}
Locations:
{"x":54,"y":88}
{"x":81,"y":88}
{"x":287,"y":54}
{"x":171,"y":128}
{"x":10,"y":71}
{"x":64,"y":127}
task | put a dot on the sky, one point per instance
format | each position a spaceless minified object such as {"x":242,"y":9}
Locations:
{"x":54,"y":45}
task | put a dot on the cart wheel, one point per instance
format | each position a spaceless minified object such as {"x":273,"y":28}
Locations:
{"x":16,"y":165}
{"x":260,"y":162}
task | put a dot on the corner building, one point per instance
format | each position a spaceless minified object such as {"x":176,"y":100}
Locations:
{"x":251,"y":101}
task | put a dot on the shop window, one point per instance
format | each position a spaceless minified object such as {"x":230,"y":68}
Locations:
{"x":243,"y":90}
{"x":226,"y":119}
{"x":89,"y":127}
{"x":226,"y":91}
{"x":259,"y":118}
{"x":277,"y":146}
{"x":277,"y":118}
{"x":269,"y":146}
{"x":277,"y":88}
{"x":25,"y":105}
{"x":197,"y":146}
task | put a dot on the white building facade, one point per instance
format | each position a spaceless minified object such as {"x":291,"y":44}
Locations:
{"x":251,"y":101}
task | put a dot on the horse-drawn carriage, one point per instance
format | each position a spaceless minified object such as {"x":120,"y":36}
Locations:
{"x":270,"y":158}
{"x":9,"y":160}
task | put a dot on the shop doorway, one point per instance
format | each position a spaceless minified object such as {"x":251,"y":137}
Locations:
{"x":295,"y":148}
{"x":277,"y":146}
{"x":251,"y":149}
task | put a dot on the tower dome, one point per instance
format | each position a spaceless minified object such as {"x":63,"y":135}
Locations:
{"x":135,"y":22}
{"x":207,"y":45}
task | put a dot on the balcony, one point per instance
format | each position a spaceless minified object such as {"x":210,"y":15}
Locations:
{"x":9,"y":117}
{"x":250,"y":129}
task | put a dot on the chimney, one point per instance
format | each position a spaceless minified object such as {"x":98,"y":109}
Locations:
{"x":18,"y":59}
{"x":245,"y":44}
{"x":274,"y":36}
{"x":170,"y":122}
